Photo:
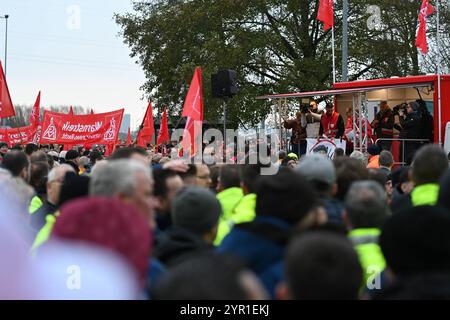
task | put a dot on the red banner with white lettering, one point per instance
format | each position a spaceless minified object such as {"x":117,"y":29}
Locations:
{"x":23,"y":135}
{"x":100,"y":128}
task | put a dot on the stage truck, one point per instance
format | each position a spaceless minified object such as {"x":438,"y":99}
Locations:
{"x":364,"y":97}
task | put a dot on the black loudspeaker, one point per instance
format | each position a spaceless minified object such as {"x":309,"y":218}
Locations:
{"x":224,"y":84}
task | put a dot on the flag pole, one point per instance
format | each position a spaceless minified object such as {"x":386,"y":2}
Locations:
{"x":439,"y":73}
{"x":334,"y":57}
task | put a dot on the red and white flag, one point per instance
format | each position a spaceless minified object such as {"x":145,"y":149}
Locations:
{"x":326,"y":13}
{"x":421,"y":41}
{"x":193,"y":110}
{"x":6,"y":105}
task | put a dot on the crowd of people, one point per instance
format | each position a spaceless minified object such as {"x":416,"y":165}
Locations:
{"x":409,"y":124}
{"x":139,"y":225}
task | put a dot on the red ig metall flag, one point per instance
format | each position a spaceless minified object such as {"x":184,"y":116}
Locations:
{"x":421,"y":41}
{"x":326,"y":13}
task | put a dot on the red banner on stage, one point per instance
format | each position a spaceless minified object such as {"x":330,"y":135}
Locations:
{"x":21,"y":135}
{"x":100,"y":128}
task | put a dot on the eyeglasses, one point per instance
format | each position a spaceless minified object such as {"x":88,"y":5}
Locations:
{"x":203,"y":177}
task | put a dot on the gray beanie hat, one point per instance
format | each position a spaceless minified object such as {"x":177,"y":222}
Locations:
{"x":196,"y":209}
{"x":317,"y":167}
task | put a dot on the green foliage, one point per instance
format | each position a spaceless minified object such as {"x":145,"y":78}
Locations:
{"x":275,"y":46}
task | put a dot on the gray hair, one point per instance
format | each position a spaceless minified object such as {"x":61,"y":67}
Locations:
{"x":118,"y":176}
{"x":52,"y":175}
{"x":358,"y":155}
{"x":386,"y":159}
{"x":366,"y":205}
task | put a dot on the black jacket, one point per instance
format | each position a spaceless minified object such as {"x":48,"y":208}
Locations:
{"x":38,"y":218}
{"x":426,"y":126}
{"x":177,"y":245}
{"x":410,"y":126}
{"x":385,"y":120}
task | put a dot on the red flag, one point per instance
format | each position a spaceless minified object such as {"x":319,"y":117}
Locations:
{"x":147,"y":129}
{"x":70,"y":111}
{"x":326,"y":13}
{"x":163,"y":135}
{"x":421,"y":41}
{"x":35,"y":112}
{"x":101,"y":128}
{"x":193,"y":110}
{"x":128,"y":137}
{"x":193,"y":105}
{"x":6,"y":105}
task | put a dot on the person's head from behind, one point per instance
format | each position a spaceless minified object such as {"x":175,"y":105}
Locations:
{"x":109,"y":224}
{"x":55,"y":180}
{"x":198,"y":211}
{"x":401,"y":179}
{"x":358,"y":155}
{"x":348,"y":170}
{"x":38,"y":176}
{"x":209,"y":278}
{"x":74,"y":186}
{"x":30,"y":149}
{"x":250,"y":175}
{"x":320,"y":172}
{"x":203,"y":176}
{"x":289,"y":197}
{"x":40,"y":156}
{"x":281,"y":155}
{"x":366,"y":206}
{"x":167,"y":184}
{"x":135,"y":153}
{"x":379,"y":176}
{"x":229,"y":177}
{"x":422,"y":105}
{"x":386,"y":159}
{"x":72,"y":156}
{"x":17,"y":163}
{"x":190,"y":176}
{"x":429,"y":165}
{"x":322,"y":266}
{"x":83,"y":163}
{"x":128,"y":180}
{"x":95,"y":156}
{"x":339,"y":152}
{"x":417,"y":241}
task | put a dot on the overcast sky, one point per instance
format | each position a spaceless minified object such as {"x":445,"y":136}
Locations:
{"x":71,"y":51}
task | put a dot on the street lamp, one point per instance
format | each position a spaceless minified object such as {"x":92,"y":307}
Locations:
{"x":6,"y":16}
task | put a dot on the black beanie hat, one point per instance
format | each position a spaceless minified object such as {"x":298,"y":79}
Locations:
{"x":196,"y":209}
{"x":72,"y":154}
